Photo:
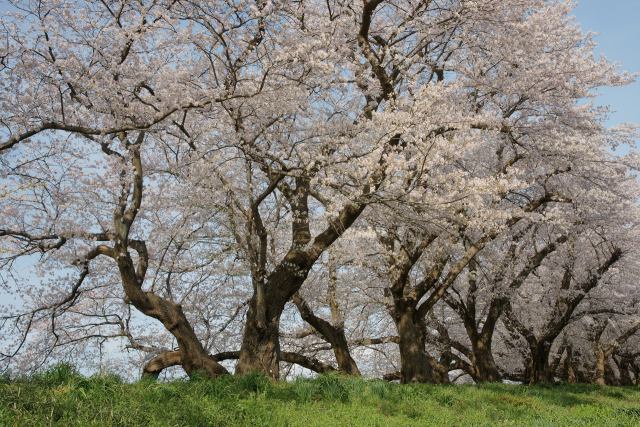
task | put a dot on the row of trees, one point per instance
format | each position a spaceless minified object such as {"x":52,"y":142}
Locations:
{"x":417,"y":190}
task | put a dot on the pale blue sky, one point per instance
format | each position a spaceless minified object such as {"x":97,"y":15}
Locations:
{"x":617,"y":23}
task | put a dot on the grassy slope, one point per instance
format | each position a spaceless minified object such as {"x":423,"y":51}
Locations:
{"x":60,"y":397}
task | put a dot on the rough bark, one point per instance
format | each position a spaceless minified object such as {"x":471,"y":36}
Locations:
{"x":155,"y":366}
{"x":260,"y":350}
{"x":540,"y":370}
{"x":487,"y":370}
{"x":417,"y":366}
{"x":261,"y":341}
{"x":601,"y":362}
{"x":334,"y":335}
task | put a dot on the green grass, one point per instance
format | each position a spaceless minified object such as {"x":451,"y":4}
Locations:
{"x":62,"y":397}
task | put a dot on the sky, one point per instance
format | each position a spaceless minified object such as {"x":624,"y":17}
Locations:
{"x":618,"y":38}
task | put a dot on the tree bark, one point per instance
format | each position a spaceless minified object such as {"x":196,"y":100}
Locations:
{"x":601,"y":361}
{"x":603,"y":352}
{"x":193,"y":356}
{"x":334,"y":335}
{"x":417,"y":366}
{"x":540,"y":372}
{"x":487,"y":370}
{"x":625,"y":371}
{"x":155,"y":366}
{"x":569,"y":367}
{"x":260,"y":350}
{"x":481,"y":357}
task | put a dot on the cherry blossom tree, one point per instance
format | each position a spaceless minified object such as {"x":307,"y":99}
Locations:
{"x":180,"y":173}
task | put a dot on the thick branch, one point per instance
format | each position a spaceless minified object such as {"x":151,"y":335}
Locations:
{"x":155,"y":366}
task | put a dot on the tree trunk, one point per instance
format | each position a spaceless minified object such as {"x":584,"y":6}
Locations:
{"x":571,"y":374}
{"x":540,"y":372}
{"x":601,"y":361}
{"x":569,"y":370}
{"x":625,"y":372}
{"x":340,"y":347}
{"x":193,"y":357}
{"x":333,"y":334}
{"x":260,"y":350}
{"x":635,"y":368}
{"x":485,"y":365}
{"x":416,"y":365}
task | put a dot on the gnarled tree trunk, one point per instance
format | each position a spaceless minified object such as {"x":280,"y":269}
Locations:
{"x":539,"y":371}
{"x":417,"y":366}
{"x":191,"y":354}
{"x":261,"y":341}
{"x":260,"y":349}
{"x":487,"y":370}
{"x":333,"y":334}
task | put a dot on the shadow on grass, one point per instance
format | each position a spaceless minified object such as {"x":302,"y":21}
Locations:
{"x":566,"y":395}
